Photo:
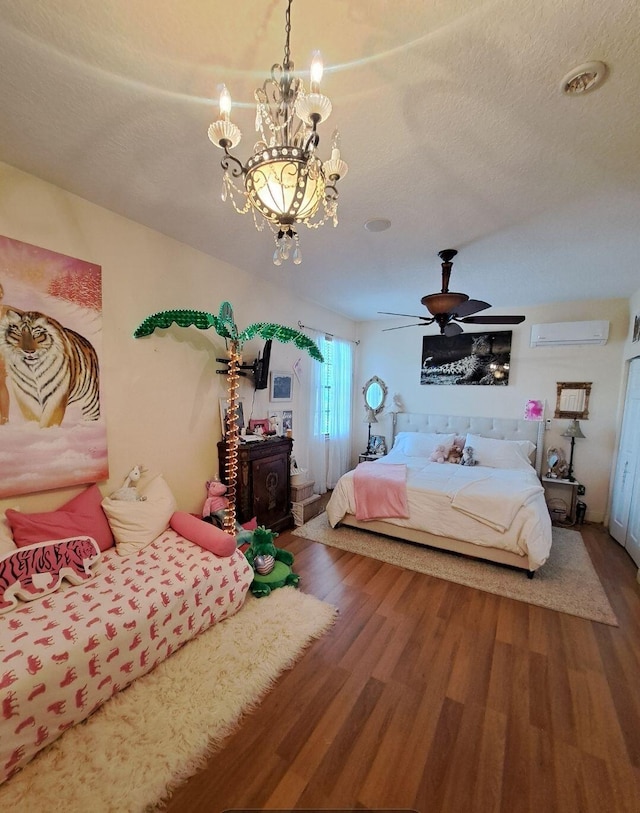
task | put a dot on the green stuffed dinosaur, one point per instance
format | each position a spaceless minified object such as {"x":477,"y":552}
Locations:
{"x":271,"y":565}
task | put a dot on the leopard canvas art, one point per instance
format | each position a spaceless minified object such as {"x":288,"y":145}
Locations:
{"x":469,"y":358}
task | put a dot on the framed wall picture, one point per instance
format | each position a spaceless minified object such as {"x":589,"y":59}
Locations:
{"x":281,"y":388}
{"x":59,"y":440}
{"x":223,"y":414}
{"x":468,"y":358}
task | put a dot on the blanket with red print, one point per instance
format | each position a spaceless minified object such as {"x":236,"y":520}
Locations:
{"x":63,"y":655}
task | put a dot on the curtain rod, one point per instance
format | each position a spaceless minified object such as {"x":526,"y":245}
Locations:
{"x":317,"y":330}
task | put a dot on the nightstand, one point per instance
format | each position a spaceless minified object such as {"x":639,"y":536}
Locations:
{"x":567,"y":491}
{"x":363,"y":457}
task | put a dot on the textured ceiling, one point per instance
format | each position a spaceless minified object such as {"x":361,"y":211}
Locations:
{"x":451,"y":120}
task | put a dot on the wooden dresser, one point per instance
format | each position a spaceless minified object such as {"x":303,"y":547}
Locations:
{"x":264,"y":481}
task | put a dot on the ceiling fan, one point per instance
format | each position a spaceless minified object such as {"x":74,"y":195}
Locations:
{"x":449,"y":308}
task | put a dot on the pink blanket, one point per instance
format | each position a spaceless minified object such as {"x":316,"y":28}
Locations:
{"x":380,"y":490}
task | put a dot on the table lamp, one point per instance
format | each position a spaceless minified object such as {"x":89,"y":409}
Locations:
{"x":573,"y":431}
{"x":369,"y":418}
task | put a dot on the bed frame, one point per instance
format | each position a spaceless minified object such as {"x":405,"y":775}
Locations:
{"x":500,"y":428}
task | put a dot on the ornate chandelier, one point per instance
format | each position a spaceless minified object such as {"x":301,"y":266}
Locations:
{"x":285,"y":182}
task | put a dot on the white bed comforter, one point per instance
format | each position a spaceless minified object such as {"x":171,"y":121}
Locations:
{"x":496,"y":508}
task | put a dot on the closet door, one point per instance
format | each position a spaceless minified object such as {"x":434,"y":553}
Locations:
{"x":624,"y":524}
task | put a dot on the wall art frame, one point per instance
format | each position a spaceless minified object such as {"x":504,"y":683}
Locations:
{"x":61,"y":440}
{"x":480,"y":359}
{"x":280,"y":386}
{"x":224,"y":404}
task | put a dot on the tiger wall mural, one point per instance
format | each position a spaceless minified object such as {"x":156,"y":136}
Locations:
{"x":52,"y":427}
{"x":49,"y":366}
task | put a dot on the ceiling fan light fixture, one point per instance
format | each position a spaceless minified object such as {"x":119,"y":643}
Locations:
{"x":443,"y":302}
{"x":449,"y":308}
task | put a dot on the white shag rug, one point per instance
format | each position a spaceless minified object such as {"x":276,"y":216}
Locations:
{"x":567,"y":582}
{"x":158,"y":732}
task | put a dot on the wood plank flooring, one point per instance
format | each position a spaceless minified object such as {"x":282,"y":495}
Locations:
{"x":431,"y":696}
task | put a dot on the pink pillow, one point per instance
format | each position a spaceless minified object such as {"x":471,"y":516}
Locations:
{"x":203,"y":533}
{"x":82,"y":515}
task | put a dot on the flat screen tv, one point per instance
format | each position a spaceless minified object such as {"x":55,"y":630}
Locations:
{"x":261,"y":368}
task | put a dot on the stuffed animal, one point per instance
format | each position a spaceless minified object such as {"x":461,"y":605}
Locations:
{"x":455,"y":454}
{"x":271,"y":565}
{"x":216,"y":501}
{"x":467,"y":457}
{"x":129,"y":491}
{"x":215,"y":506}
{"x":438,"y":455}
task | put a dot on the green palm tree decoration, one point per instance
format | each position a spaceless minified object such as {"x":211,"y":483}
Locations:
{"x":225,"y":326}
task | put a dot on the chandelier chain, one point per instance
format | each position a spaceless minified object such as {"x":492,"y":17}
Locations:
{"x":287,"y":28}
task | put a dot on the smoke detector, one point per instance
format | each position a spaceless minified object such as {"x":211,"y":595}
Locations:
{"x":583,"y":78}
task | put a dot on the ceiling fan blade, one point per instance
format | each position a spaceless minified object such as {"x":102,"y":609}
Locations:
{"x":469,"y":307}
{"x":401,"y":327}
{"x":452,"y":329}
{"x":493,"y":320}
{"x":410,"y":315}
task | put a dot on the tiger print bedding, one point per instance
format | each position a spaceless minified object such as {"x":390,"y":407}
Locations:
{"x":64,"y":655}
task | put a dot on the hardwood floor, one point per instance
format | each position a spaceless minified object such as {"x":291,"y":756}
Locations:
{"x":436,"y":697}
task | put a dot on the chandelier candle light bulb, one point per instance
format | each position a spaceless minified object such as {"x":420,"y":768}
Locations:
{"x":225,"y":103}
{"x":316,"y":71}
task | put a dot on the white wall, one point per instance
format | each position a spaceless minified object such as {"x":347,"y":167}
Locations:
{"x":395,"y":356}
{"x":161,"y":393}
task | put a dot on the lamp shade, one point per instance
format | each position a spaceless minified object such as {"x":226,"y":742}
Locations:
{"x":573,"y":430}
{"x":283,"y":185}
{"x":370,"y":416}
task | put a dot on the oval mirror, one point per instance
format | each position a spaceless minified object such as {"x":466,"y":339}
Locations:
{"x":375,"y":394}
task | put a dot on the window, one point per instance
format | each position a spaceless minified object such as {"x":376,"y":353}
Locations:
{"x":331,"y":392}
{"x":326,"y":378}
{"x":333,"y":400}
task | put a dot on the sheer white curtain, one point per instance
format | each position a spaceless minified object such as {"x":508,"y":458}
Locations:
{"x":330,"y":412}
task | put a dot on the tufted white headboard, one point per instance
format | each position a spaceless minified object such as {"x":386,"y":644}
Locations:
{"x":500,"y":428}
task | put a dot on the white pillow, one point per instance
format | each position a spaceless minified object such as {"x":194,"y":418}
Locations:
{"x":421,"y":444}
{"x":7,"y":545}
{"x":135,"y":524}
{"x":501,"y":454}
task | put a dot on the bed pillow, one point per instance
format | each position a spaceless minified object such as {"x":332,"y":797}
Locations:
{"x":202,"y":533}
{"x":137,"y":523}
{"x":37,"y":570}
{"x":501,"y":454}
{"x":7,"y":545}
{"x":422,"y":444}
{"x":81,"y":515}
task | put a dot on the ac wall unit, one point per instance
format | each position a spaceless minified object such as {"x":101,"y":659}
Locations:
{"x":554,"y":334}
